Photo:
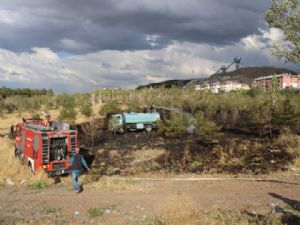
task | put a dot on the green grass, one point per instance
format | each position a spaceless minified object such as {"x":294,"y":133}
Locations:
{"x":96,"y":212}
{"x":147,"y":221}
{"x":288,"y":207}
{"x":131,"y":181}
{"x":62,"y":222}
{"x":38,"y":185}
{"x":49,"y":210}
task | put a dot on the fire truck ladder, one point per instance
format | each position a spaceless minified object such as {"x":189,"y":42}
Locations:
{"x":45,"y":149}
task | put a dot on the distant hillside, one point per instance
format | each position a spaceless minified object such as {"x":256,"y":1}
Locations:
{"x":165,"y":84}
{"x":248,"y":74}
{"x":243,"y":75}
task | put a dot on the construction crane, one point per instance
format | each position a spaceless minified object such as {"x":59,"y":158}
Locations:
{"x":223,"y":69}
{"x":237,"y":61}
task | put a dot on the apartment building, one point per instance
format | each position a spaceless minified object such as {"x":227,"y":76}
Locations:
{"x":284,"y":81}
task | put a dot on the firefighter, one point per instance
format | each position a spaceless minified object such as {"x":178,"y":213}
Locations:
{"x":77,"y":163}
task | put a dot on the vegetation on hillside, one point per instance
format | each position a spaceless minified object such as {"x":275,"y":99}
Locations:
{"x":265,"y":116}
{"x":236,"y":109}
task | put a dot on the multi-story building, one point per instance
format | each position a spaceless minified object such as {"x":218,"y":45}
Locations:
{"x":226,"y":86}
{"x":283,"y":81}
{"x":202,"y":87}
{"x":231,"y":86}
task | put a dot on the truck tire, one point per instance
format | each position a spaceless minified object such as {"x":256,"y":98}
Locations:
{"x":148,"y":128}
{"x":21,"y":158}
{"x":16,"y":153}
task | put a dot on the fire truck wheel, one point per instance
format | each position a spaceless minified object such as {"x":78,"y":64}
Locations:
{"x":21,"y":158}
{"x":30,"y":168}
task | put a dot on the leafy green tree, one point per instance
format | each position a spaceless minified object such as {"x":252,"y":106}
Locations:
{"x":86,"y":109}
{"x":68,"y":104}
{"x":111,"y":107}
{"x":85,"y":105}
{"x":133,"y":107}
{"x":285,"y":15}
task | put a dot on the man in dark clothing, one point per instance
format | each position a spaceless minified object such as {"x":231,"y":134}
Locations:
{"x":77,"y":163}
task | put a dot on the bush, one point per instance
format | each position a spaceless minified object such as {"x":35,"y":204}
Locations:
{"x":288,"y":141}
{"x":10,"y":107}
{"x":38,"y":185}
{"x":285,"y":115}
{"x":175,"y":127}
{"x":36,"y":117}
{"x":253,"y":92}
{"x":86,"y":109}
{"x":206,"y":129}
{"x":133,"y":107}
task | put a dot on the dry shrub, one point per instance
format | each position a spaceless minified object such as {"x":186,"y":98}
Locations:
{"x":229,"y":217}
{"x":290,"y":142}
{"x":122,"y":185}
{"x":180,"y":211}
{"x":146,"y":155}
{"x":177,"y":211}
{"x":11,"y":168}
{"x":186,"y":156}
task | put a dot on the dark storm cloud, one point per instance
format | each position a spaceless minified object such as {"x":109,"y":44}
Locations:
{"x":81,"y":26}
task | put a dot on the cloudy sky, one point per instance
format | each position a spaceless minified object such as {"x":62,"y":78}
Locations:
{"x":75,"y":45}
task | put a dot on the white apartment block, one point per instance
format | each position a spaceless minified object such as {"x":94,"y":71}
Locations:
{"x":226,"y":86}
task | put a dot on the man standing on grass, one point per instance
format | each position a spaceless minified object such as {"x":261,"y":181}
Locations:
{"x":77,"y":163}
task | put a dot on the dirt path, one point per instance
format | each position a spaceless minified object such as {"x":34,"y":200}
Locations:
{"x":129,"y":201}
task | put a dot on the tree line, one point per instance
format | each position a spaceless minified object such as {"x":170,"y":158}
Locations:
{"x":8,"y":92}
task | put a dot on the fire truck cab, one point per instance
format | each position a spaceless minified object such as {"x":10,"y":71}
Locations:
{"x":45,"y":145}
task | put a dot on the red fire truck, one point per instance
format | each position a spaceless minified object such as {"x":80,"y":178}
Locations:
{"x":45,"y":145}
